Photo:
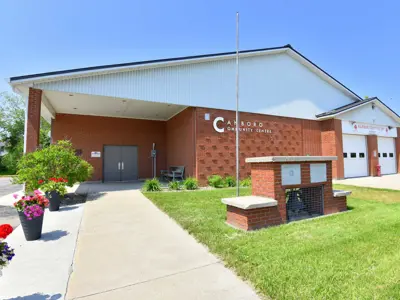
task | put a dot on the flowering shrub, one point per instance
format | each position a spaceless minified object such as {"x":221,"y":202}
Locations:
{"x":54,"y":184}
{"x":6,"y":255}
{"x":5,"y":230}
{"x":57,"y":160}
{"x":31,"y":206}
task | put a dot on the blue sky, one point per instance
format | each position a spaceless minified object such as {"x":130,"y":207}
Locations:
{"x":355,"y":41}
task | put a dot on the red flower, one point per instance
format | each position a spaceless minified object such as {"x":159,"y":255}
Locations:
{"x":40,"y":181}
{"x":5,"y":230}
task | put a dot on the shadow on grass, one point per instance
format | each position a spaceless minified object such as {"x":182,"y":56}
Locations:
{"x":37,"y":296}
{"x":53,"y":235}
{"x":350,"y":207}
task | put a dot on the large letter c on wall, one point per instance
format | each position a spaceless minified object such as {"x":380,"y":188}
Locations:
{"x":215,"y":123}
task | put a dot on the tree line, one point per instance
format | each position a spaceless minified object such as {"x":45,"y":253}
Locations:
{"x":12,"y":129}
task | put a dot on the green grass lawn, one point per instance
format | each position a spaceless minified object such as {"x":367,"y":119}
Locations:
{"x":352,"y":255}
{"x":6,"y":173}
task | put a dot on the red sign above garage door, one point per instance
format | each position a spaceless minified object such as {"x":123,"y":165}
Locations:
{"x":349,"y":127}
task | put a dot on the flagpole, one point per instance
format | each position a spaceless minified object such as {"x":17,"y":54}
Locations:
{"x":237,"y":106}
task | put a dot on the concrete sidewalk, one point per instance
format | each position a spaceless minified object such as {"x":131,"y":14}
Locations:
{"x":40,"y":269}
{"x":391,"y":182}
{"x":128,"y":249}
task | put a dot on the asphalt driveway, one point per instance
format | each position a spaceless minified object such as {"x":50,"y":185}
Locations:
{"x":391,"y":182}
{"x":6,"y":187}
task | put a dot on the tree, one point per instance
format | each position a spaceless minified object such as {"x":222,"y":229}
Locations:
{"x":12,"y":128}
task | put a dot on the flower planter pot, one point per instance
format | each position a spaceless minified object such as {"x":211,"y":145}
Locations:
{"x":55,"y":200}
{"x":32,"y":228}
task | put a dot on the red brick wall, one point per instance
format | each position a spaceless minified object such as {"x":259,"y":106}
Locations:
{"x":215,"y":152}
{"x":373,"y":161}
{"x":332,"y":145}
{"x":253,"y":219}
{"x":181,"y":141}
{"x":312,"y":137}
{"x":91,"y":133}
{"x":33,"y":122}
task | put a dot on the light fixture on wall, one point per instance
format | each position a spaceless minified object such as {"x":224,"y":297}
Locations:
{"x":373,"y":105}
{"x":390,"y":127}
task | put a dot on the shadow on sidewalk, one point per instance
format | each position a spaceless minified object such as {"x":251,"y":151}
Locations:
{"x":53,"y":235}
{"x":37,"y":296}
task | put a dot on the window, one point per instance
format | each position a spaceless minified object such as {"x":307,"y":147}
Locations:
{"x":391,"y":155}
{"x":361,"y":155}
{"x":353,"y":155}
{"x":345,"y":155}
{"x":384,"y":154}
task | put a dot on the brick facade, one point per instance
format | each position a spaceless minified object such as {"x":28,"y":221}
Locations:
{"x":181,"y":141}
{"x":332,"y":145}
{"x":33,"y":120}
{"x":91,"y":133}
{"x":189,"y":139}
{"x":215,"y":152}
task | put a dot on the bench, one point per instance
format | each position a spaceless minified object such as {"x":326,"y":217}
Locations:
{"x":252,"y":212}
{"x":173,"y":173}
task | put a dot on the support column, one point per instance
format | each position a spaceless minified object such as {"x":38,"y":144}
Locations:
{"x":266,"y":181}
{"x":397,"y":144}
{"x":332,"y":145}
{"x":32,"y":120}
{"x":373,"y":159}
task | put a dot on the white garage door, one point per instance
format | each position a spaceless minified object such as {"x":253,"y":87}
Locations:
{"x":355,"y":155}
{"x":387,"y":156}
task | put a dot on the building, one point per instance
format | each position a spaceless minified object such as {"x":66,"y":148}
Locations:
{"x":184,"y":108}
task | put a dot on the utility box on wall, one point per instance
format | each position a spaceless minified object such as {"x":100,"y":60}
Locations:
{"x":291,"y":174}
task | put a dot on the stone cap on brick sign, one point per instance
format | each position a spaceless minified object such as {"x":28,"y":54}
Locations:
{"x":250,"y":202}
{"x":341,"y":193}
{"x":289,"y":159}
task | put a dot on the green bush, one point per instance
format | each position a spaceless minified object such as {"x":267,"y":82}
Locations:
{"x":57,"y":160}
{"x":245,"y":182}
{"x":152,"y":185}
{"x":216,"y":181}
{"x":230,"y":181}
{"x":175,"y":185}
{"x":191,"y":183}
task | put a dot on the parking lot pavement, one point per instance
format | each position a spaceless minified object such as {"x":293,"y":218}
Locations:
{"x":6,"y":187}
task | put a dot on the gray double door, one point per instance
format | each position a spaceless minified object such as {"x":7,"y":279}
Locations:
{"x":120,"y":163}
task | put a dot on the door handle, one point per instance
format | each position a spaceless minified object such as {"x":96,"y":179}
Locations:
{"x":122,"y":165}
{"x":119,"y":166}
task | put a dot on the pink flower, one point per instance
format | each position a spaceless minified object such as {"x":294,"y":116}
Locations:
{"x":37,"y":192}
{"x":15,"y":196}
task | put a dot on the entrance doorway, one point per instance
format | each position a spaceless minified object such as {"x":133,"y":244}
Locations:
{"x":120,"y":163}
